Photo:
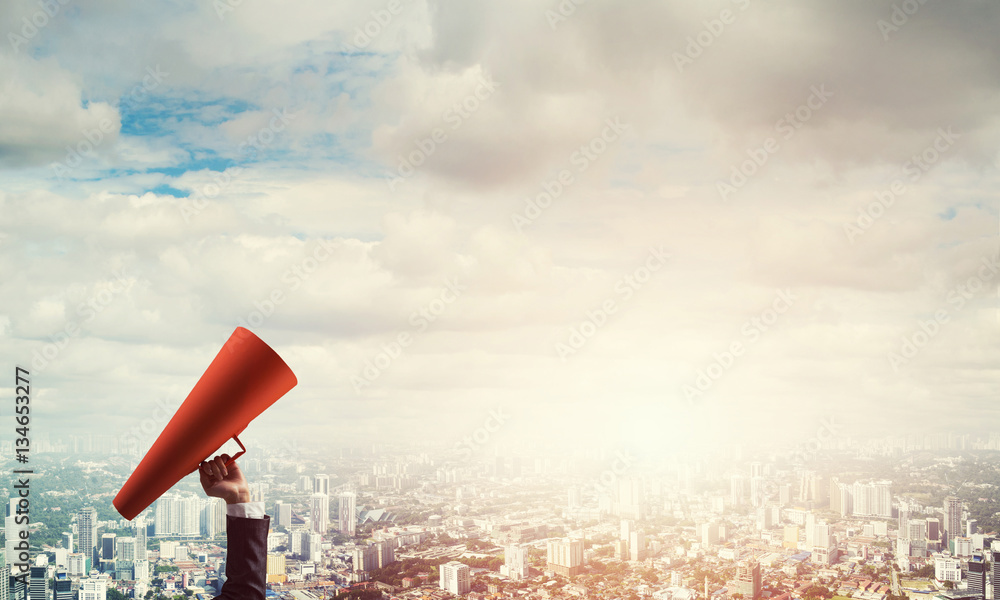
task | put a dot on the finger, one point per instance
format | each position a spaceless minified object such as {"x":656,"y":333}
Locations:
{"x":220,"y":466}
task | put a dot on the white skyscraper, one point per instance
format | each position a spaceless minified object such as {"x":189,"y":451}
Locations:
{"x":516,"y":562}
{"x":321,"y":484}
{"x":140,"y":538}
{"x":637,"y":545}
{"x":347,"y":514}
{"x":299,"y":542}
{"x":86,"y":531}
{"x":952,"y":518}
{"x":631,"y":501}
{"x":315,"y":547}
{"x":5,"y":576}
{"x":737,"y":490}
{"x":455,"y":578}
{"x":12,"y":533}
{"x":320,"y":512}
{"x":94,"y":588}
{"x":141,"y":569}
{"x":212,"y":519}
{"x":76,"y":563}
{"x":565,"y":557}
{"x":177,"y":515}
{"x":810,"y":530}
{"x":283,"y":514}
{"x":626,"y":529}
{"x":125,"y":548}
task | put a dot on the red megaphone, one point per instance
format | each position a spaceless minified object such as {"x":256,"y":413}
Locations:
{"x":245,"y":378}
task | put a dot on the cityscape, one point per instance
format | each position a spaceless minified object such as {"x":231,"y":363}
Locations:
{"x":524,"y":300}
{"x":884,"y":519}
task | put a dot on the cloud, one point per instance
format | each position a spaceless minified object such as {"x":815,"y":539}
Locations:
{"x":44,"y":118}
{"x":360,"y":212}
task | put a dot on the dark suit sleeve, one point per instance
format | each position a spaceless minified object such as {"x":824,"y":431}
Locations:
{"x":246,"y":558}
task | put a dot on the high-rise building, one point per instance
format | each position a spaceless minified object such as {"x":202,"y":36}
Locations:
{"x":321,"y":484}
{"x":810,"y":530}
{"x":709,"y":534}
{"x":140,"y":538}
{"x":299,"y":541}
{"x":636,"y":546}
{"x":565,"y":557}
{"x":283,"y":514}
{"x":275,"y":567}
{"x":947,"y":568}
{"x":61,"y":557}
{"x":846,"y":502}
{"x":315,"y":547}
{"x":747,"y":581}
{"x":790,"y":539}
{"x":108,"y":546}
{"x":574,"y":498}
{"x":631,"y":500}
{"x":5,"y":577}
{"x":212,"y":518}
{"x":385,"y":553}
{"x":765,"y":518}
{"x":785,"y":494}
{"x":977,"y":576}
{"x":903,"y":524}
{"x":835,"y":495}
{"x":455,"y":578}
{"x":67,"y":540}
{"x":821,"y":536}
{"x":872,"y":499}
{"x":18,"y":589}
{"x":347,"y":514}
{"x":515,"y":562}
{"x":881,"y":503}
{"x":12,"y":533}
{"x":996,"y":575}
{"x":86,"y":531}
{"x":952,"y":519}
{"x":123,"y":569}
{"x":140,"y":569}
{"x":63,"y":585}
{"x":94,"y":588}
{"x":737,"y":490}
{"x":39,"y":586}
{"x":626,"y":529}
{"x":320,"y":512}
{"x":125,"y":548}
{"x":178,"y":516}
{"x":932,"y":528}
{"x":77,"y":564}
{"x":365,"y":558}
{"x":961,"y":546}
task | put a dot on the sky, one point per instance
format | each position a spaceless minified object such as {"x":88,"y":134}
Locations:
{"x":652,"y":226}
